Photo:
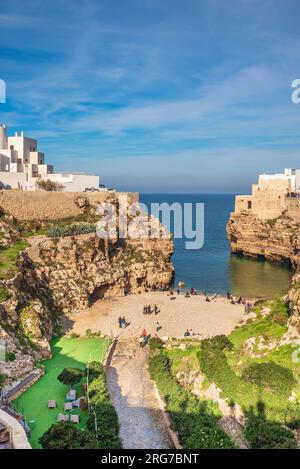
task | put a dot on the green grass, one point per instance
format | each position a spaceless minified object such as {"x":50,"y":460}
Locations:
{"x":184,"y":359}
{"x":4,"y":293}
{"x":272,"y":326}
{"x":194,"y":419}
{"x":9,"y":257}
{"x":268,"y":376}
{"x":33,"y":403}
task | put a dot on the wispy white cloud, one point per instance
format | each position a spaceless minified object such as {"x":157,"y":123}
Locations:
{"x":121,"y":79}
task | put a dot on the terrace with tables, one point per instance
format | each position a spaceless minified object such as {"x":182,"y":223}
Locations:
{"x":49,"y":400}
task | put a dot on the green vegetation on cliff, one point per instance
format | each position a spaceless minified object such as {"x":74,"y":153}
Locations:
{"x":253,"y":369}
{"x":102,"y":410}
{"x":56,"y":231}
{"x":9,"y":257}
{"x":195,"y":420}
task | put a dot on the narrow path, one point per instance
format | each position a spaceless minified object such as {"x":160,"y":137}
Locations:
{"x":134,"y":396}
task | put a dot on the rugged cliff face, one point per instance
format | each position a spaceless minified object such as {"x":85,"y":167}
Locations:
{"x":57,"y":275}
{"x":77,"y":270}
{"x":275,"y":240}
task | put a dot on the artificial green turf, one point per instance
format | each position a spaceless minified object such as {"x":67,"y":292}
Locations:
{"x":33,"y":403}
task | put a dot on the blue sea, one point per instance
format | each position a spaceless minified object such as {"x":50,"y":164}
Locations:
{"x":212,"y":268}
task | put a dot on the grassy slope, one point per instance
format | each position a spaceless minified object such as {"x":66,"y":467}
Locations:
{"x":229,"y":368}
{"x":9,"y":257}
{"x":66,"y":353}
{"x":195,"y":420}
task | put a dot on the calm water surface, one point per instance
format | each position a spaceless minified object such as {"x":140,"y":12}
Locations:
{"x":213,"y":268}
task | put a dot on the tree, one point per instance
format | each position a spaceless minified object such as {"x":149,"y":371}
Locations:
{"x":71,"y":376}
{"x":49,"y":186}
{"x":64,"y":435}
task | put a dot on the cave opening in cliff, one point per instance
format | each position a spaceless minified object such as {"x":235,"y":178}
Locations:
{"x":98,"y":294}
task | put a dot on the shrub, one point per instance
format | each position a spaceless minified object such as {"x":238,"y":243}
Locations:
{"x":10,"y":356}
{"x":65,"y":435}
{"x":262,"y":434}
{"x":70,"y":376}
{"x":155,"y":343}
{"x":280,"y":312}
{"x":95,"y":370}
{"x":103,"y":412}
{"x":49,"y":186}
{"x":90,"y":334}
{"x":73,"y":335}
{"x":3,"y":378}
{"x":272,"y":377}
{"x":4,"y":293}
{"x":219,"y":342}
{"x":267,"y":382}
{"x":56,"y":231}
{"x":195,"y":421}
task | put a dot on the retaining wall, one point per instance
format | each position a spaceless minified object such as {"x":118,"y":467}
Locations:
{"x":41,"y":205}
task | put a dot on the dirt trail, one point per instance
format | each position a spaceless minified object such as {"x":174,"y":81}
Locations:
{"x":134,"y":396}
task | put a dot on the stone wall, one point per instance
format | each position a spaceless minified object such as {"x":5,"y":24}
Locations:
{"x":268,"y":200}
{"x":243,"y":202}
{"x":18,"y":437}
{"x":22,"y":385}
{"x":293,"y":208}
{"x":40,"y":205}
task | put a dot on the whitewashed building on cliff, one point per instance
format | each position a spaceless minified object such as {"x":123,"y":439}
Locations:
{"x":272,"y":196}
{"x":22,"y":165}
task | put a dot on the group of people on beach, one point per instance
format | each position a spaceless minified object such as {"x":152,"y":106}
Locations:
{"x":239,"y":301}
{"x":145,"y":337}
{"x":123,"y":323}
{"x":190,"y":333}
{"x":148,"y":310}
{"x":212,"y":299}
{"x":159,"y":287}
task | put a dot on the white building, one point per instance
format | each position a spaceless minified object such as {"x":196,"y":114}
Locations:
{"x":289,"y":174}
{"x":21,"y":165}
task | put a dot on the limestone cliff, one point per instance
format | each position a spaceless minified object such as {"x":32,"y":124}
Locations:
{"x":77,"y":270}
{"x":59,"y":274}
{"x":275,"y":240}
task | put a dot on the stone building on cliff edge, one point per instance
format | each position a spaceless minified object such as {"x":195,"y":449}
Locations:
{"x":21,"y":165}
{"x":274,"y":195}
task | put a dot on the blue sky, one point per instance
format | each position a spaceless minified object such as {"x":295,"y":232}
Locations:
{"x":167,"y":96}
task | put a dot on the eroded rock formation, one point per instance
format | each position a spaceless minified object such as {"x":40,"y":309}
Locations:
{"x":60,"y":275}
{"x":57,"y":275}
{"x":276,"y":240}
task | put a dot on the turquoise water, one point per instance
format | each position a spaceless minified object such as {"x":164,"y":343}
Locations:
{"x":213,"y":268}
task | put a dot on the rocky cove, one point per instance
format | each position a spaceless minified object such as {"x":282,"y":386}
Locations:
{"x":275,"y":239}
{"x":58,"y":277}
{"x":62,"y":274}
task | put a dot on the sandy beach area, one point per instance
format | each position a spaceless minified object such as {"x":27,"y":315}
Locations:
{"x":175,"y":315}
